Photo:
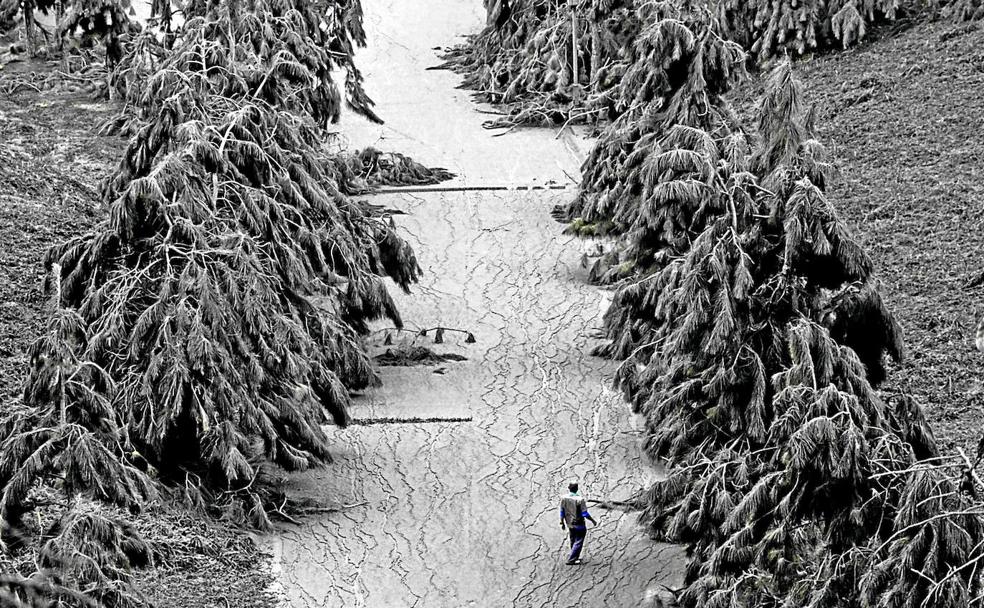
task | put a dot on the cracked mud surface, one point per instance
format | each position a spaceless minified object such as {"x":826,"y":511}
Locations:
{"x":465,"y":513}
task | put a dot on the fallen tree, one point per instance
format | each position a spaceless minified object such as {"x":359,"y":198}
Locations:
{"x":368,"y":169}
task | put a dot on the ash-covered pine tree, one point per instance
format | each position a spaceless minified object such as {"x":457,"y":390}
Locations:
{"x":549,"y":61}
{"x":790,"y":477}
{"x":87,"y":21}
{"x":226,"y":292}
{"x":775,"y":252}
{"x":931,"y":553}
{"x":657,"y":174}
{"x":299,"y":44}
{"x":211,"y":325}
{"x":363,"y":170}
{"x":649,"y":175}
{"x":769,"y":28}
{"x":554,"y":61}
{"x":962,"y":10}
{"x":65,"y":438}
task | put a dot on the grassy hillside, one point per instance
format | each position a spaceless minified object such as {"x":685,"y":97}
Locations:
{"x":51,"y":162}
{"x":904,"y":117}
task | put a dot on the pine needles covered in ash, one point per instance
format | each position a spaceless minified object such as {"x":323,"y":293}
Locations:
{"x":225,"y":293}
{"x":562,"y":61}
{"x":548,"y":61}
{"x":202,"y":335}
{"x":753,"y":337}
{"x":650,"y":173}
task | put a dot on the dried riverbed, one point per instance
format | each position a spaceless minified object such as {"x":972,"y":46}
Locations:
{"x":465,"y":513}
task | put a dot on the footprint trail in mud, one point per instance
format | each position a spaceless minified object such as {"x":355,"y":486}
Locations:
{"x":465,"y":513}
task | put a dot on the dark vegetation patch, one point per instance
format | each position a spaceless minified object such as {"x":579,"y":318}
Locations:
{"x":415,"y":355}
{"x":364,"y":170}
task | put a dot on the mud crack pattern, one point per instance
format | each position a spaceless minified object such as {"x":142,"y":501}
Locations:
{"x":466,"y":514}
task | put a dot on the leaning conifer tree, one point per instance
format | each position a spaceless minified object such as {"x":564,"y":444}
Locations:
{"x":65,"y":437}
{"x":648,"y":165}
{"x":794,"y":483}
{"x":227,"y":289}
{"x":209,"y":327}
{"x":654,"y":178}
{"x":777,"y":238}
{"x":224,"y":296}
{"x":549,"y":62}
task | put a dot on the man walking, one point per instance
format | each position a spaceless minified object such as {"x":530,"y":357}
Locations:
{"x":573,"y":512}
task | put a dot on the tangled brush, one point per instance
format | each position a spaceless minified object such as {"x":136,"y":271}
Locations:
{"x":364,"y":170}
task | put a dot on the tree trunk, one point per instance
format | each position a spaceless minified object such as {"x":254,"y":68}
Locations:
{"x":595,"y":54}
{"x":233,"y":27}
{"x":574,"y":49}
{"x":56,"y":271}
{"x":59,"y":17}
{"x":29,"y":27}
{"x":166,"y":23}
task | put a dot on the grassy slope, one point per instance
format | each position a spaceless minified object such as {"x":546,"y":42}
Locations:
{"x":904,"y":118}
{"x":51,"y":164}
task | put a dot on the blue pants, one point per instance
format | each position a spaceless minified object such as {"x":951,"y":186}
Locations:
{"x":577,"y":542}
